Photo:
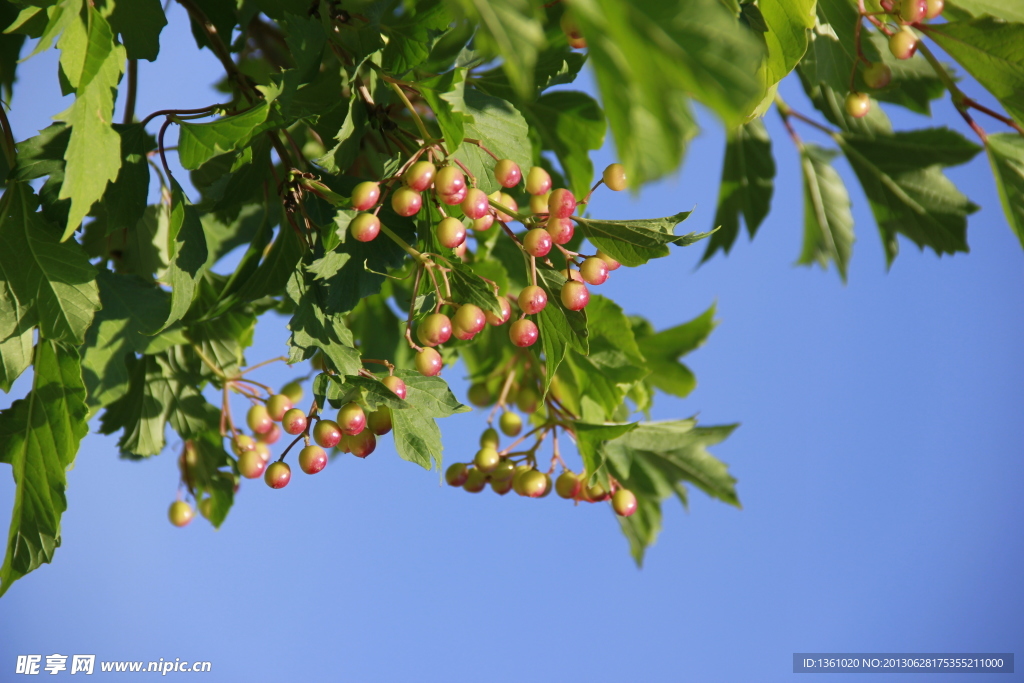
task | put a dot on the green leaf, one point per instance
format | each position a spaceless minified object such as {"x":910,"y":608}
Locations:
{"x":341,"y":389}
{"x":556,"y":65}
{"x":571,"y":124}
{"x":828,"y":223}
{"x":1006,"y":154}
{"x":902,"y":177}
{"x":417,"y":437}
{"x":200,"y":142}
{"x":10,"y":46}
{"x":590,"y":437}
{"x":188,"y":254}
{"x":15,"y":357}
{"x":634,"y":243}
{"x":748,"y":179}
{"x":39,"y":437}
{"x":42,"y":156}
{"x":787,"y":22}
{"x":212,"y":475}
{"x":992,"y":51}
{"x":469,"y":288}
{"x":501,"y":128}
{"x":664,"y":349}
{"x":313,"y":328}
{"x":139,"y":22}
{"x":42,"y":281}
{"x":411,"y":34}
{"x":445,"y":95}
{"x":125,"y":198}
{"x":513,"y":30}
{"x":560,"y":328}
{"x":1000,"y":9}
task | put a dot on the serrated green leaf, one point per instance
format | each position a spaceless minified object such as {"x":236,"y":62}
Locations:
{"x":211,"y":476}
{"x":417,"y":437}
{"x":787,"y":23}
{"x":338,"y":390}
{"x":139,"y":22}
{"x":10,"y":43}
{"x":570,"y":124}
{"x":634,"y":243}
{"x":828,"y":223}
{"x":15,"y":357}
{"x":663,"y":350}
{"x":39,"y":437}
{"x":556,"y":65}
{"x":313,"y":328}
{"x":590,"y":437}
{"x":412,"y":33}
{"x":188,"y":254}
{"x":1000,"y":9}
{"x":445,"y":94}
{"x":1006,"y":154}
{"x":125,"y":198}
{"x":501,"y":128}
{"x":200,"y":142}
{"x":511,"y":29}
{"x":42,"y":156}
{"x":468,"y":288}
{"x":560,"y":328}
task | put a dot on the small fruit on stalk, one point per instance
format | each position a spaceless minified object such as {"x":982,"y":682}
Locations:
{"x":278,"y":475}
{"x":365,"y":196}
{"x":180,"y":513}
{"x":312,"y":459}
{"x":428,"y":362}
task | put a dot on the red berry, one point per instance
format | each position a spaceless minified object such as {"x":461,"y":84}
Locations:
{"x":456,"y":474}
{"x":507,"y":173}
{"x":294,"y":422}
{"x":258,"y":419}
{"x":312,"y":459}
{"x":351,"y":419}
{"x":597,"y":493}
{"x":612,"y":263}
{"x":475,"y":205}
{"x":560,"y":229}
{"x":575,"y":295}
{"x":537,"y":242}
{"x":594,"y":271}
{"x":494,"y":319}
{"x":327,"y":433}
{"x":396,"y":385}
{"x":363,"y":443}
{"x":271,"y":437}
{"x":456,"y":197}
{"x":365,"y":196}
{"x":364,"y":227}
{"x":534,"y":484}
{"x":460,"y":251}
{"x":510,"y":424}
{"x":615,"y":177}
{"x":435,"y":329}
{"x":406,"y":201}
{"x":562,"y":203}
{"x":449,"y":181}
{"x":428,"y":362}
{"x":468,"y":321}
{"x":419,"y":176}
{"x":903,"y":44}
{"x":277,"y":406}
{"x":568,"y":485}
{"x":278,"y":475}
{"x":858,"y":104}
{"x":523,"y":333}
{"x":484,"y":223}
{"x":505,"y":200}
{"x":451,"y":232}
{"x":913,"y":11}
{"x":538,"y":181}
{"x":624,"y":502}
{"x":486,"y":459}
{"x":379,"y":421}
{"x":180,"y":513}
{"x":533,"y":299}
{"x":539,"y":203}
{"x":878,"y":75}
{"x":243,"y":443}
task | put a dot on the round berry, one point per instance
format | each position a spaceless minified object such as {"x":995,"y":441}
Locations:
{"x":449,"y":181}
{"x":569,"y":28}
{"x":539,"y":203}
{"x":456,"y":474}
{"x":294,"y":422}
{"x":362,"y":444}
{"x":615,"y":177}
{"x":523,"y":333}
{"x":597,"y":493}
{"x":533,"y":299}
{"x":527,"y":400}
{"x":568,"y":485}
{"x":504,"y":471}
{"x":578,"y":43}
{"x":475,"y":205}
{"x":575,"y":295}
{"x":251,"y":465}
{"x":913,"y":11}
{"x":258,"y":419}
{"x":935,"y":8}
{"x":435,"y":329}
{"x":505,"y":200}
{"x":475,"y":481}
{"x":538,"y":181}
{"x":624,"y":502}
{"x":364,"y":227}
{"x":560,"y":229}
{"x":468,"y":321}
{"x":483,"y":224}
{"x":206,"y":507}
{"x":326,"y":433}
{"x":262,"y":450}
{"x":460,"y":252}
{"x":489,"y":438}
{"x":486,"y":459}
{"x":594,"y":271}
{"x":428,"y":362}
{"x":494,"y":319}
{"x":277,"y":406}
{"x":243,"y":443}
{"x":562,"y":203}
{"x":379,"y":421}
{"x":612,"y":263}
{"x":180,"y":513}
{"x":858,"y":104}
{"x":903,"y":44}
{"x":501,"y":486}
{"x":571,"y":274}
{"x":351,"y":419}
{"x":365,"y":196}
{"x":450,"y":232}
{"x":510,"y":424}
{"x":537,"y":242}
{"x":534,"y":484}
{"x":878,"y":75}
{"x":278,"y":475}
{"x":396,"y":385}
{"x":406,"y":201}
{"x":419,"y":176}
{"x":507,"y":173}
{"x":456,"y":197}
{"x":293,"y":390}
{"x":312,"y":459}
{"x":271,"y":437}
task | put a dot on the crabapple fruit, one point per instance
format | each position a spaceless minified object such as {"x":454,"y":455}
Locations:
{"x":468,"y":321}
{"x":435,"y":329}
{"x":277,"y":406}
{"x":510,"y":423}
{"x":327,"y":433}
{"x":594,"y":271}
{"x":858,"y":104}
{"x":396,"y":385}
{"x":538,"y":181}
{"x":278,"y":475}
{"x":379,"y":421}
{"x":523,"y":333}
{"x":365,"y":195}
{"x":406,"y":201}
{"x":486,"y":459}
{"x":494,"y":319}
{"x":351,"y":419}
{"x":180,"y":513}
{"x":507,"y":173}
{"x":450,"y":232}
{"x":624,"y":502}
{"x":419,"y":176}
{"x":456,"y":474}
{"x":575,"y":295}
{"x":428,"y":362}
{"x":312,"y":459}
{"x":533,"y":299}
{"x":561,"y":203}
{"x":614,"y":177}
{"x":365,"y":227}
{"x":475,"y":205}
{"x":294,"y":421}
{"x":251,"y":465}
{"x":537,"y":242}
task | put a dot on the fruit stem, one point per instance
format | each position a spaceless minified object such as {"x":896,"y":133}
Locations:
{"x":412,"y":308}
{"x":412,"y":110}
{"x":478,"y":143}
{"x":404,"y":245}
{"x":521,"y":217}
{"x":266,"y":362}
{"x":956,"y":94}
{"x":209,"y":363}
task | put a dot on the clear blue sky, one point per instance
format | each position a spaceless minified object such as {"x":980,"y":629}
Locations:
{"x":879,"y":463}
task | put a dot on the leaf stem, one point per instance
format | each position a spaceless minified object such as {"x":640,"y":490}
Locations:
{"x":956,"y":94}
{"x":406,"y":247}
{"x":219,"y":48}
{"x":412,"y":110}
{"x":133,"y":85}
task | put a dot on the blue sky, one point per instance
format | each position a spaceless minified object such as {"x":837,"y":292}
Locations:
{"x":879,"y":464}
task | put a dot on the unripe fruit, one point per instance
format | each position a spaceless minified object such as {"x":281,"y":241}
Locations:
{"x":450,"y":232}
{"x":935,"y":8}
{"x":612,"y":263}
{"x":406,"y":201}
{"x":479,"y":395}
{"x":351,"y":419}
{"x":624,"y":503}
{"x":251,"y":465}
{"x":344,"y":445}
{"x":597,"y":493}
{"x":615,"y":177}
{"x":258,"y":419}
{"x":878,"y":75}
{"x":568,"y":485}
{"x":578,"y":43}
{"x":435,"y":329}
{"x":501,"y":486}
{"x":534,"y":484}
{"x":538,"y":181}
{"x":379,"y":421}
{"x":312,"y":459}
{"x":293,"y":390}
{"x":560,"y":229}
{"x":475,"y":205}
{"x":460,"y":252}
{"x":913,"y":11}
{"x":903,"y":44}
{"x":327,"y":433}
{"x":396,"y":385}
{"x":572,"y":31}
{"x":594,"y":271}
{"x":365,"y":196}
{"x":858,"y":104}
{"x":494,"y":319}
{"x":505,"y":200}
{"x":456,"y":197}
{"x":475,"y":481}
{"x":517,"y":478}
{"x":294,"y":422}
{"x":575,"y":295}
{"x":364,"y":227}
{"x":510,"y":424}
{"x":527,"y":399}
{"x":468,"y":321}
{"x":449,"y":181}
{"x":242,"y":443}
{"x":271,"y":437}
{"x":180,"y":513}
{"x":507,"y":173}
{"x":419,"y":176}
{"x":562,"y":203}
{"x":278,"y":475}
{"x":532,"y":299}
{"x":489,"y":438}
{"x":523,"y":333}
{"x":206,"y":507}
{"x":486,"y":459}
{"x":483,"y":224}
{"x":456,"y":474}
{"x":539,"y":203}
{"x":363,"y":443}
{"x":262,"y":450}
{"x":504,"y":471}
{"x":537,"y":242}
{"x":428,"y":362}
{"x":277,"y":406}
